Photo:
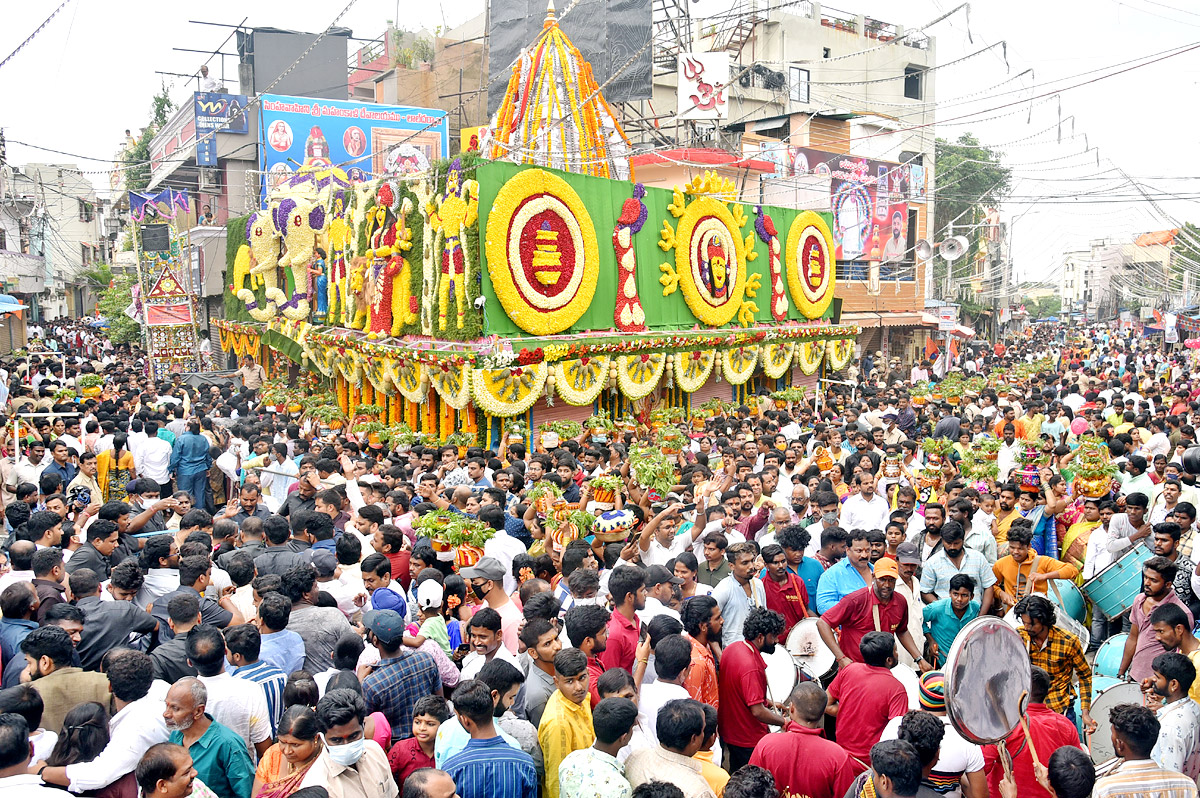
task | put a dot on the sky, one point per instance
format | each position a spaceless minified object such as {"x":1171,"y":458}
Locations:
{"x":90,"y":74}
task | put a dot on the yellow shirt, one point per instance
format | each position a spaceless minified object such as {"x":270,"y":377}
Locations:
{"x":565,"y":727}
{"x":1194,"y":693}
{"x":714,"y":775}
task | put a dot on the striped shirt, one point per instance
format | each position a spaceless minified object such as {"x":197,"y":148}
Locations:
{"x":492,"y":768}
{"x":271,"y":680}
{"x":1141,"y":778}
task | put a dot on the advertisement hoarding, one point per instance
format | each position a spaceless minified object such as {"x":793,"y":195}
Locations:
{"x":367,"y":137}
{"x":216,"y":112}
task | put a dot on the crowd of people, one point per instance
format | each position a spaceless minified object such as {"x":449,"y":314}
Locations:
{"x":204,"y":597}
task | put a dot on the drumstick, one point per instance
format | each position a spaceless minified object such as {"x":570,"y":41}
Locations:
{"x":1028,"y":736}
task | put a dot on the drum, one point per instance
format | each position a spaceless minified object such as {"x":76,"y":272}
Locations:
{"x":987,"y":675}
{"x":1108,"y":656}
{"x":1107,"y":692}
{"x":1114,"y":589}
{"x":809,"y":651}
{"x":1069,"y":598}
{"x":782,"y":674}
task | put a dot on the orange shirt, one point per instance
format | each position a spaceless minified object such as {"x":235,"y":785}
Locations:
{"x":701,"y":682}
{"x":1017,"y":423}
{"x":1007,"y":571}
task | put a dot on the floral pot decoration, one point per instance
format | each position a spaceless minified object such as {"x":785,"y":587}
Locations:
{"x":671,"y":440}
{"x":1094,"y":470}
{"x":605,"y":488}
{"x":516,"y":430}
{"x":891,"y":466}
{"x":652,"y":470}
{"x":90,"y":384}
{"x":455,"y":534}
{"x":564,"y":527}
{"x":600,"y":426}
{"x":543,"y":495}
{"x":1028,"y":473}
{"x":787,"y":396}
{"x":460,"y":441}
{"x":553,"y":433}
{"x":824,"y":459}
{"x":614,"y":526}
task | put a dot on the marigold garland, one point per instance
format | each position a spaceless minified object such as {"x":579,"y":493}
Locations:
{"x":519,"y":264}
{"x":452,"y":383}
{"x":809,"y":355}
{"x":580,"y":381}
{"x":811,"y":273}
{"x":691,"y":369}
{"x":777,"y":359}
{"x":639,"y":375}
{"x":839,"y":352}
{"x":737,"y":365}
{"x":508,"y":392}
{"x":409,"y":378}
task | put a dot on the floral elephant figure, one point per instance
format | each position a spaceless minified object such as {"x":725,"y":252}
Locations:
{"x":263,"y":240}
{"x":301,"y":222}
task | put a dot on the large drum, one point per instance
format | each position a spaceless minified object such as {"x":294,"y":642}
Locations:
{"x":1114,"y":589}
{"x":782,"y":674}
{"x":1069,"y":598}
{"x":1107,"y":693}
{"x":987,"y":680}
{"x":806,"y":647}
{"x":1108,"y":656}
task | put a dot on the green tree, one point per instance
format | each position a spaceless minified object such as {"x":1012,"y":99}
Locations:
{"x":1045,"y":306}
{"x":136,"y":159}
{"x":969,"y":177}
{"x":113,"y":301}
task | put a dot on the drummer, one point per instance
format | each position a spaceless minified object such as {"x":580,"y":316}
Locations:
{"x":870,"y":609}
{"x":1022,"y":571}
{"x":1060,"y":654}
{"x":1141,"y":647}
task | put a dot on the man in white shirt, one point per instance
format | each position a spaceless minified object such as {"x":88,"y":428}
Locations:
{"x":29,"y":468}
{"x":501,"y":545}
{"x":658,"y":592}
{"x":865,"y":509}
{"x":239,"y":704}
{"x":152,"y":459}
{"x":672,"y":662}
{"x":136,"y":725}
{"x":279,"y":474}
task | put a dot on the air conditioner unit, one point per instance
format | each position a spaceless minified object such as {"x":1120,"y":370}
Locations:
{"x":210,"y":180}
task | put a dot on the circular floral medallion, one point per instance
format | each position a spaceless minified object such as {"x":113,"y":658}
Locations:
{"x":710,"y":259}
{"x":408,"y":375}
{"x":692,"y":369}
{"x":579,"y":382}
{"x":453,"y":384}
{"x":508,"y":392}
{"x":809,"y":355}
{"x":738,"y":364}
{"x":776,"y":359}
{"x":542,"y":253}
{"x":839,"y":352}
{"x":638,"y":375}
{"x":810,"y":264}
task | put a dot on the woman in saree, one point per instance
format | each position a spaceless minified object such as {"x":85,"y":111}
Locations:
{"x":285,"y":763}
{"x":1074,"y":545}
{"x":114,"y":469}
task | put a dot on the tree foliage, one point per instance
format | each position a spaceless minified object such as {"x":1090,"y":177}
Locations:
{"x":1044,"y":306}
{"x":969,"y":177}
{"x":113,"y":301}
{"x":136,"y":159}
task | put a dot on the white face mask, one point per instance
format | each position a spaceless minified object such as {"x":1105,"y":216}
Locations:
{"x":348,"y":754}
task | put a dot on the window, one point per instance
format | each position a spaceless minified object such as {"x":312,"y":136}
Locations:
{"x":799,"y":85}
{"x":912,"y":82}
{"x":826,"y":52}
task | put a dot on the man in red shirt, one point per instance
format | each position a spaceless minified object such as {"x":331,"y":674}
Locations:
{"x":587,"y":629}
{"x":875,"y":608}
{"x":802,"y":761}
{"x":627,"y":589}
{"x":866,"y":696}
{"x":1050,"y":731}
{"x":786,"y":593}
{"x":742,"y":683}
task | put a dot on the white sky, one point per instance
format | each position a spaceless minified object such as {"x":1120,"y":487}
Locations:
{"x":90,"y":75}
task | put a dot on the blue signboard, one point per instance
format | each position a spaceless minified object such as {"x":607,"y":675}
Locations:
{"x":216,"y":112}
{"x":362,"y":138}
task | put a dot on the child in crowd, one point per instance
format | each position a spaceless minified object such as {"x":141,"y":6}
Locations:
{"x":429,"y":611}
{"x":416,"y":752}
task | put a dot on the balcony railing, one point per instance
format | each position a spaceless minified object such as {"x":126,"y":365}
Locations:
{"x":839,"y":20}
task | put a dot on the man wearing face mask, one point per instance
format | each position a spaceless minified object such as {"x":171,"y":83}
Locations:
{"x":486,"y":580}
{"x":349,"y":764}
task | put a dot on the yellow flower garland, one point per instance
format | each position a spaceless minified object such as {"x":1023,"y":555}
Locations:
{"x":809,"y":355}
{"x":839,"y":352}
{"x":809,"y":232}
{"x":738,"y":364}
{"x":526,"y":194}
{"x":453,"y":384}
{"x":409,"y":379}
{"x":639,"y":375}
{"x":378,"y":375}
{"x":508,"y":392}
{"x":777,"y":359}
{"x":691,"y":369}
{"x":579,"y":383}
